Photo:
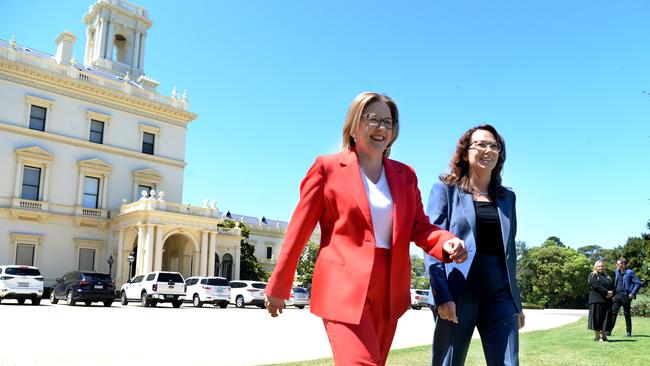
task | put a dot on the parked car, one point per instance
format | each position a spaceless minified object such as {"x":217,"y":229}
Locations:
{"x":213,"y":290}
{"x":83,"y":286}
{"x":244,"y":293}
{"x":299,"y":298}
{"x":21,"y":283}
{"x":153,"y":288}
{"x":419,"y":298}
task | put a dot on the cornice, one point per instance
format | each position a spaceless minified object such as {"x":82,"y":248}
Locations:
{"x":87,"y":144}
{"x":99,"y":6}
{"x":51,"y":82}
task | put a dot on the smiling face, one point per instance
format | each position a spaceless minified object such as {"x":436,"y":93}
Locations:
{"x":373,"y":140}
{"x":600,"y":268}
{"x":482,"y":154}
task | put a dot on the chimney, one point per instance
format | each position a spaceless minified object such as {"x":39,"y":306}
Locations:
{"x":64,"y":43}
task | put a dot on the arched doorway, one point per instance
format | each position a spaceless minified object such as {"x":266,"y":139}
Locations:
{"x":177,"y":255}
{"x":226,"y":266}
{"x":217,"y":265}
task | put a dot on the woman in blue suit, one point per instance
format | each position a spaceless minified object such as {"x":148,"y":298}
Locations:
{"x":481,"y":292}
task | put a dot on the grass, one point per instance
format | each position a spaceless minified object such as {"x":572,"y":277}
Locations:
{"x":570,"y":345}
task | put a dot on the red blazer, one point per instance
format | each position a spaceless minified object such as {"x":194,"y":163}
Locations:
{"x":333,"y":195}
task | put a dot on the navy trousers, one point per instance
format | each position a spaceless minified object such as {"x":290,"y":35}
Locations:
{"x":484,"y":301}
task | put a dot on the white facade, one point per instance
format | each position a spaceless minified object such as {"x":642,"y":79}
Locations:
{"x":78,"y":143}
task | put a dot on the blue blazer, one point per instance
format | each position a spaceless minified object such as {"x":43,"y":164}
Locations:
{"x":452,"y":209}
{"x":631,"y":282}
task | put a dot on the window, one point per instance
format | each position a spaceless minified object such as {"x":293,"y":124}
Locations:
{"x":151,"y":276}
{"x":269,"y":252}
{"x":25,"y":254}
{"x":37,"y":118}
{"x":91,"y":192}
{"x":96,"y":131}
{"x":31,"y":183}
{"x":138,"y":279}
{"x":142,"y":187}
{"x":148,"y":142}
{"x":86,"y":259}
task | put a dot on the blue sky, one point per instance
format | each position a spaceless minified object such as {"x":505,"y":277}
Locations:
{"x":565,"y":83}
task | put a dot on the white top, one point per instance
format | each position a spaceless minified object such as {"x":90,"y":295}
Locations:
{"x":381,"y":209}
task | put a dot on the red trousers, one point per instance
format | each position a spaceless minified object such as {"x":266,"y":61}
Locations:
{"x":368,"y":342}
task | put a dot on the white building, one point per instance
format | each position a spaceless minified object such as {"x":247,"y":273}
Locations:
{"x":79,"y":142}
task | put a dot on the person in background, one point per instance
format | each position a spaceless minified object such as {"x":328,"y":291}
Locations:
{"x":482,"y":292}
{"x":626,"y":286}
{"x":369,"y":209}
{"x":601,"y":291}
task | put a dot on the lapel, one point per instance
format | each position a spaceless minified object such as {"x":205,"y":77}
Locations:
{"x":397,"y":186}
{"x":504,"y":218}
{"x":352,"y":175}
{"x":468,"y":206}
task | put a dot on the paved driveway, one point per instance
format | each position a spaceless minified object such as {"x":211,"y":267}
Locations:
{"x":130,"y":335}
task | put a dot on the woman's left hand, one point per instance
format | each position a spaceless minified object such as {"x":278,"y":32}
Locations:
{"x":456,"y":250}
{"x":522,"y":320}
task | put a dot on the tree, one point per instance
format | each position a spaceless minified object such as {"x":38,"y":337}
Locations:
{"x":594,"y":252}
{"x":554,"y":240}
{"x":555,"y":276}
{"x":419,"y":277}
{"x":250,"y":268}
{"x":306,"y":263}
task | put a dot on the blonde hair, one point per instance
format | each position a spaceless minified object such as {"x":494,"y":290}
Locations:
{"x":595,"y":268}
{"x":355,"y":112}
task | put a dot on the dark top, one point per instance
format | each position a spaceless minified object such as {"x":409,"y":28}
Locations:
{"x":489,"y":240}
{"x":598,"y":287}
{"x":619,"y":286}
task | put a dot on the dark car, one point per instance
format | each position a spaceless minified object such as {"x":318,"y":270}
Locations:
{"x":82,"y":286}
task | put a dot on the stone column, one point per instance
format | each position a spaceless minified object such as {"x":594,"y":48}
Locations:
{"x":87,"y":49}
{"x":236,"y":264}
{"x":104,"y":191}
{"x":196,"y":260}
{"x":136,"y":51}
{"x":119,"y":265}
{"x":211,"y":252}
{"x":144,"y":41}
{"x":158,"y":248}
{"x":148,"y":253}
{"x":141,"y":240}
{"x":204,"y":253}
{"x":80,"y":189}
{"x":46,"y":183}
{"x":99,"y":38}
{"x":17,"y":186}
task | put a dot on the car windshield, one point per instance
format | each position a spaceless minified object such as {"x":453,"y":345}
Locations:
{"x":22,"y":271}
{"x":259,"y":285}
{"x":217,"y":282}
{"x":170,"y":277}
{"x":300,"y":290}
{"x":96,"y":276}
{"x":422,"y":292}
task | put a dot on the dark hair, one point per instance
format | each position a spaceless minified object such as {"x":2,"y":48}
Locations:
{"x":623,"y":260}
{"x":459,"y":167}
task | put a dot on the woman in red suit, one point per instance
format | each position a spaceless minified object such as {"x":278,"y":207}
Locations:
{"x":369,"y":209}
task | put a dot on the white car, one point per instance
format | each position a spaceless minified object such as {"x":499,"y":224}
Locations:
{"x":21,"y":283}
{"x":299,"y":298}
{"x":154,"y":287}
{"x":214,"y":290}
{"x":244,"y":293}
{"x":419,"y":298}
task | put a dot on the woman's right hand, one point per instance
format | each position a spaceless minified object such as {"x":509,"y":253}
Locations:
{"x":274,"y":305}
{"x":610,"y":294}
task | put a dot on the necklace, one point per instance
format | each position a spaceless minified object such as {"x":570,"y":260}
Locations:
{"x":481,"y":193}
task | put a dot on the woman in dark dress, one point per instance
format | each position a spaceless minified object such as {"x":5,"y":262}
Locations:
{"x":601,"y":291}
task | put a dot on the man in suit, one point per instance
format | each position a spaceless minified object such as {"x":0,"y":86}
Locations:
{"x":626,"y":286}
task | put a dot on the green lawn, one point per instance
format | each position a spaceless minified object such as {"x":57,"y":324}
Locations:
{"x":571,"y":344}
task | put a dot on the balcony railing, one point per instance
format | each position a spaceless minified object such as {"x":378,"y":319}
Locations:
{"x":91,"y":212}
{"x":34,"y":205}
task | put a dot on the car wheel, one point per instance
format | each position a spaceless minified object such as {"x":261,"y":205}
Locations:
{"x":223,"y":305}
{"x":21,"y":301}
{"x":36,"y":301}
{"x":239,"y":301}
{"x":153,"y":303}
{"x":300,"y":306}
{"x":69,"y":298}
{"x":88,"y":303}
{"x":144,"y":300}
{"x":123,"y":300}
{"x":196,"y":300}
{"x":261,"y":306}
{"x":53,"y":299}
{"x":108,"y":303}
{"x":177,"y":303}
